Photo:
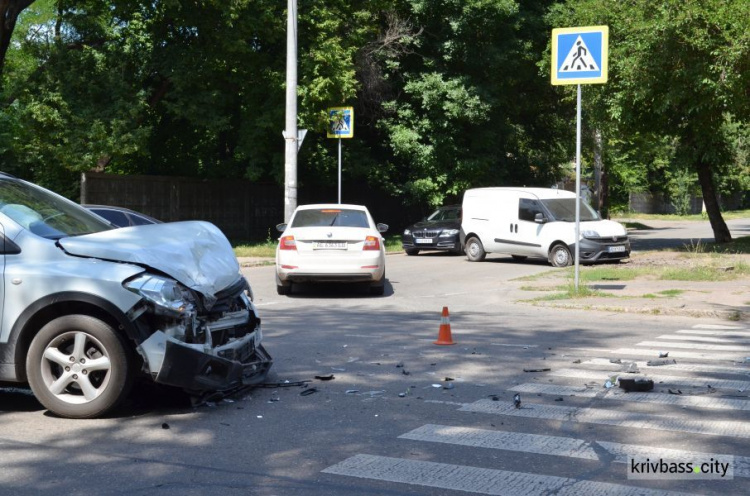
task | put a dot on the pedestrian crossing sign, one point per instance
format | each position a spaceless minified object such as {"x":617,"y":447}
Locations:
{"x":340,"y":122}
{"x":580,"y":55}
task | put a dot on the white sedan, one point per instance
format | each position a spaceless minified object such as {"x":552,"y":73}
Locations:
{"x":331,"y":243}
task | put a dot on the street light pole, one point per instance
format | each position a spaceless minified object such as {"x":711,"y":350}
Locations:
{"x":290,"y":131}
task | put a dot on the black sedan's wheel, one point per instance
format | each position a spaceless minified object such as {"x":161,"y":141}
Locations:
{"x":78,"y":367}
{"x":559,"y":256}
{"x":411,"y":251}
{"x":474,"y":250}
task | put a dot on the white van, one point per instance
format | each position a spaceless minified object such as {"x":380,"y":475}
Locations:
{"x":537,"y":222}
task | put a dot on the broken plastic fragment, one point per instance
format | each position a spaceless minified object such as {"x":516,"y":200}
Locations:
{"x":517,"y":400}
{"x":448,"y":386}
{"x":541,"y":369}
{"x":352,"y":391}
{"x":328,"y":377}
{"x":308,"y":392}
{"x":165,"y":425}
{"x":663,"y":354}
{"x":640,"y":384}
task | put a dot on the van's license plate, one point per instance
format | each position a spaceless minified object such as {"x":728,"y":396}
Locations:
{"x":329,"y":245}
{"x":615,"y":249}
{"x":423,"y":241}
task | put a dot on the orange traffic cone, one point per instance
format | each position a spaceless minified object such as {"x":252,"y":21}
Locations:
{"x":444,"y":335}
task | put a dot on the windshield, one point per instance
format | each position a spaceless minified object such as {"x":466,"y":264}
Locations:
{"x":44,"y":213}
{"x":445,"y":214}
{"x":335,"y":217}
{"x":564,"y":209}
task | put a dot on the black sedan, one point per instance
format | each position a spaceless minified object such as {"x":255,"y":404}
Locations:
{"x":439,"y":231}
{"x":122,"y":217}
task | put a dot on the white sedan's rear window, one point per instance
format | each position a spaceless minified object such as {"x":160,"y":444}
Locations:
{"x":334,"y":217}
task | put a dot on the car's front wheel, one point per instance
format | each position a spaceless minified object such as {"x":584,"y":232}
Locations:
{"x":559,"y":256}
{"x":79,"y":367}
{"x":474,"y":250}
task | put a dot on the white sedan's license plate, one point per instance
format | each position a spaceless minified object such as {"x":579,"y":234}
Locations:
{"x":329,"y":245}
{"x":423,"y":241}
{"x":615,"y":249}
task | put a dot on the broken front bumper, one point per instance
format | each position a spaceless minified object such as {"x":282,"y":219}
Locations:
{"x":243,"y":362}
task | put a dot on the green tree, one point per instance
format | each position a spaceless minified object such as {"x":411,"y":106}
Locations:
{"x":679,"y":69}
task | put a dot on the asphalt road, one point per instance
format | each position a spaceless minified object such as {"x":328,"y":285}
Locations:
{"x":389,"y":423}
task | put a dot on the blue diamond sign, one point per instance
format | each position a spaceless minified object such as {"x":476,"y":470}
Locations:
{"x":580,"y":55}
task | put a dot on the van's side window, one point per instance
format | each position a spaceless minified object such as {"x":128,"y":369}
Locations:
{"x":527,"y":209}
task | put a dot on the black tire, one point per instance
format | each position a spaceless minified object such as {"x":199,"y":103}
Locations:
{"x":519,"y":258}
{"x":378,"y":287}
{"x":474,"y":250}
{"x":559,"y":256}
{"x":283,"y":289}
{"x":411,"y":251}
{"x":79,"y":367}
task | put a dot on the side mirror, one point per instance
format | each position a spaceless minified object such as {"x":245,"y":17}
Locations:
{"x":540,"y":218}
{"x":382,"y":227}
{"x":281,"y":227}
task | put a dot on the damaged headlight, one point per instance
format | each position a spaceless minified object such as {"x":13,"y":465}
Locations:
{"x":168,"y":296}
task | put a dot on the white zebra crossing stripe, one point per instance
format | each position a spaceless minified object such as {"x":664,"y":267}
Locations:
{"x":714,"y":326}
{"x":695,"y":346}
{"x":610,"y":417}
{"x":644,"y":367}
{"x":731,"y":357}
{"x":559,"y":446}
{"x":477,"y":480}
{"x":705,"y":339}
{"x":677,"y":380}
{"x":739,"y":334}
{"x":704,"y":401}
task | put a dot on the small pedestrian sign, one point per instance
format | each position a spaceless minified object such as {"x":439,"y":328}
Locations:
{"x":340,"y":122}
{"x":580,"y":55}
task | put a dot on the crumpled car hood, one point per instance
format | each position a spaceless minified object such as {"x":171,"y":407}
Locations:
{"x":195,"y":253}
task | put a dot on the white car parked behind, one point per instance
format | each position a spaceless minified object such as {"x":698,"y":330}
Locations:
{"x":330,"y":243}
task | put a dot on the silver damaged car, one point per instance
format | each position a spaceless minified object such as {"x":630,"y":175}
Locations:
{"x":85,"y":308}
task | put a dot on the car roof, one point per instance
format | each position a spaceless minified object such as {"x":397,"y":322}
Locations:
{"x":541,"y":193}
{"x":332,"y":206}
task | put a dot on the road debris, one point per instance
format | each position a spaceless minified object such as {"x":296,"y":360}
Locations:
{"x":448,"y":386}
{"x":674,"y":392}
{"x":328,"y":377}
{"x":494,"y":397}
{"x":517,"y":400}
{"x":308,"y":392}
{"x":615,"y":360}
{"x":663,"y":354}
{"x":659,"y":363}
{"x":640,"y":384}
{"x":165,"y":425}
{"x":630,"y":368}
{"x":352,"y":391}
{"x":539,"y":369}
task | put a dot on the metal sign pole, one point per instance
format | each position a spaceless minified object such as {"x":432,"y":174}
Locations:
{"x":578,"y":185}
{"x":339,"y":170}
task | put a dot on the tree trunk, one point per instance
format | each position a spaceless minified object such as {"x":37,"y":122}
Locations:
{"x":9,"y":11}
{"x":721,"y":231}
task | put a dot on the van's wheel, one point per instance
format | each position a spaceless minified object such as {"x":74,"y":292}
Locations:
{"x":411,"y":251}
{"x":559,"y":256}
{"x":79,"y":367}
{"x":474,"y":250}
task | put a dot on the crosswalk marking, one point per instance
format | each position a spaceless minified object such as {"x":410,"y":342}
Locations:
{"x":698,"y":332}
{"x":559,"y":446}
{"x":738,"y":369}
{"x":704,"y":339}
{"x":610,"y":417}
{"x":715,"y":326}
{"x":475,"y":479}
{"x":710,"y":401}
{"x":657,"y":377}
{"x":695,"y":346}
{"x":732,"y":357}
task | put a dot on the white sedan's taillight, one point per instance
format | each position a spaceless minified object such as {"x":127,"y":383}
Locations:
{"x":371,"y":243}
{"x":287,"y":243}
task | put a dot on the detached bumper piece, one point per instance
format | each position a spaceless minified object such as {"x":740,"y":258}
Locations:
{"x":195,"y":371}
